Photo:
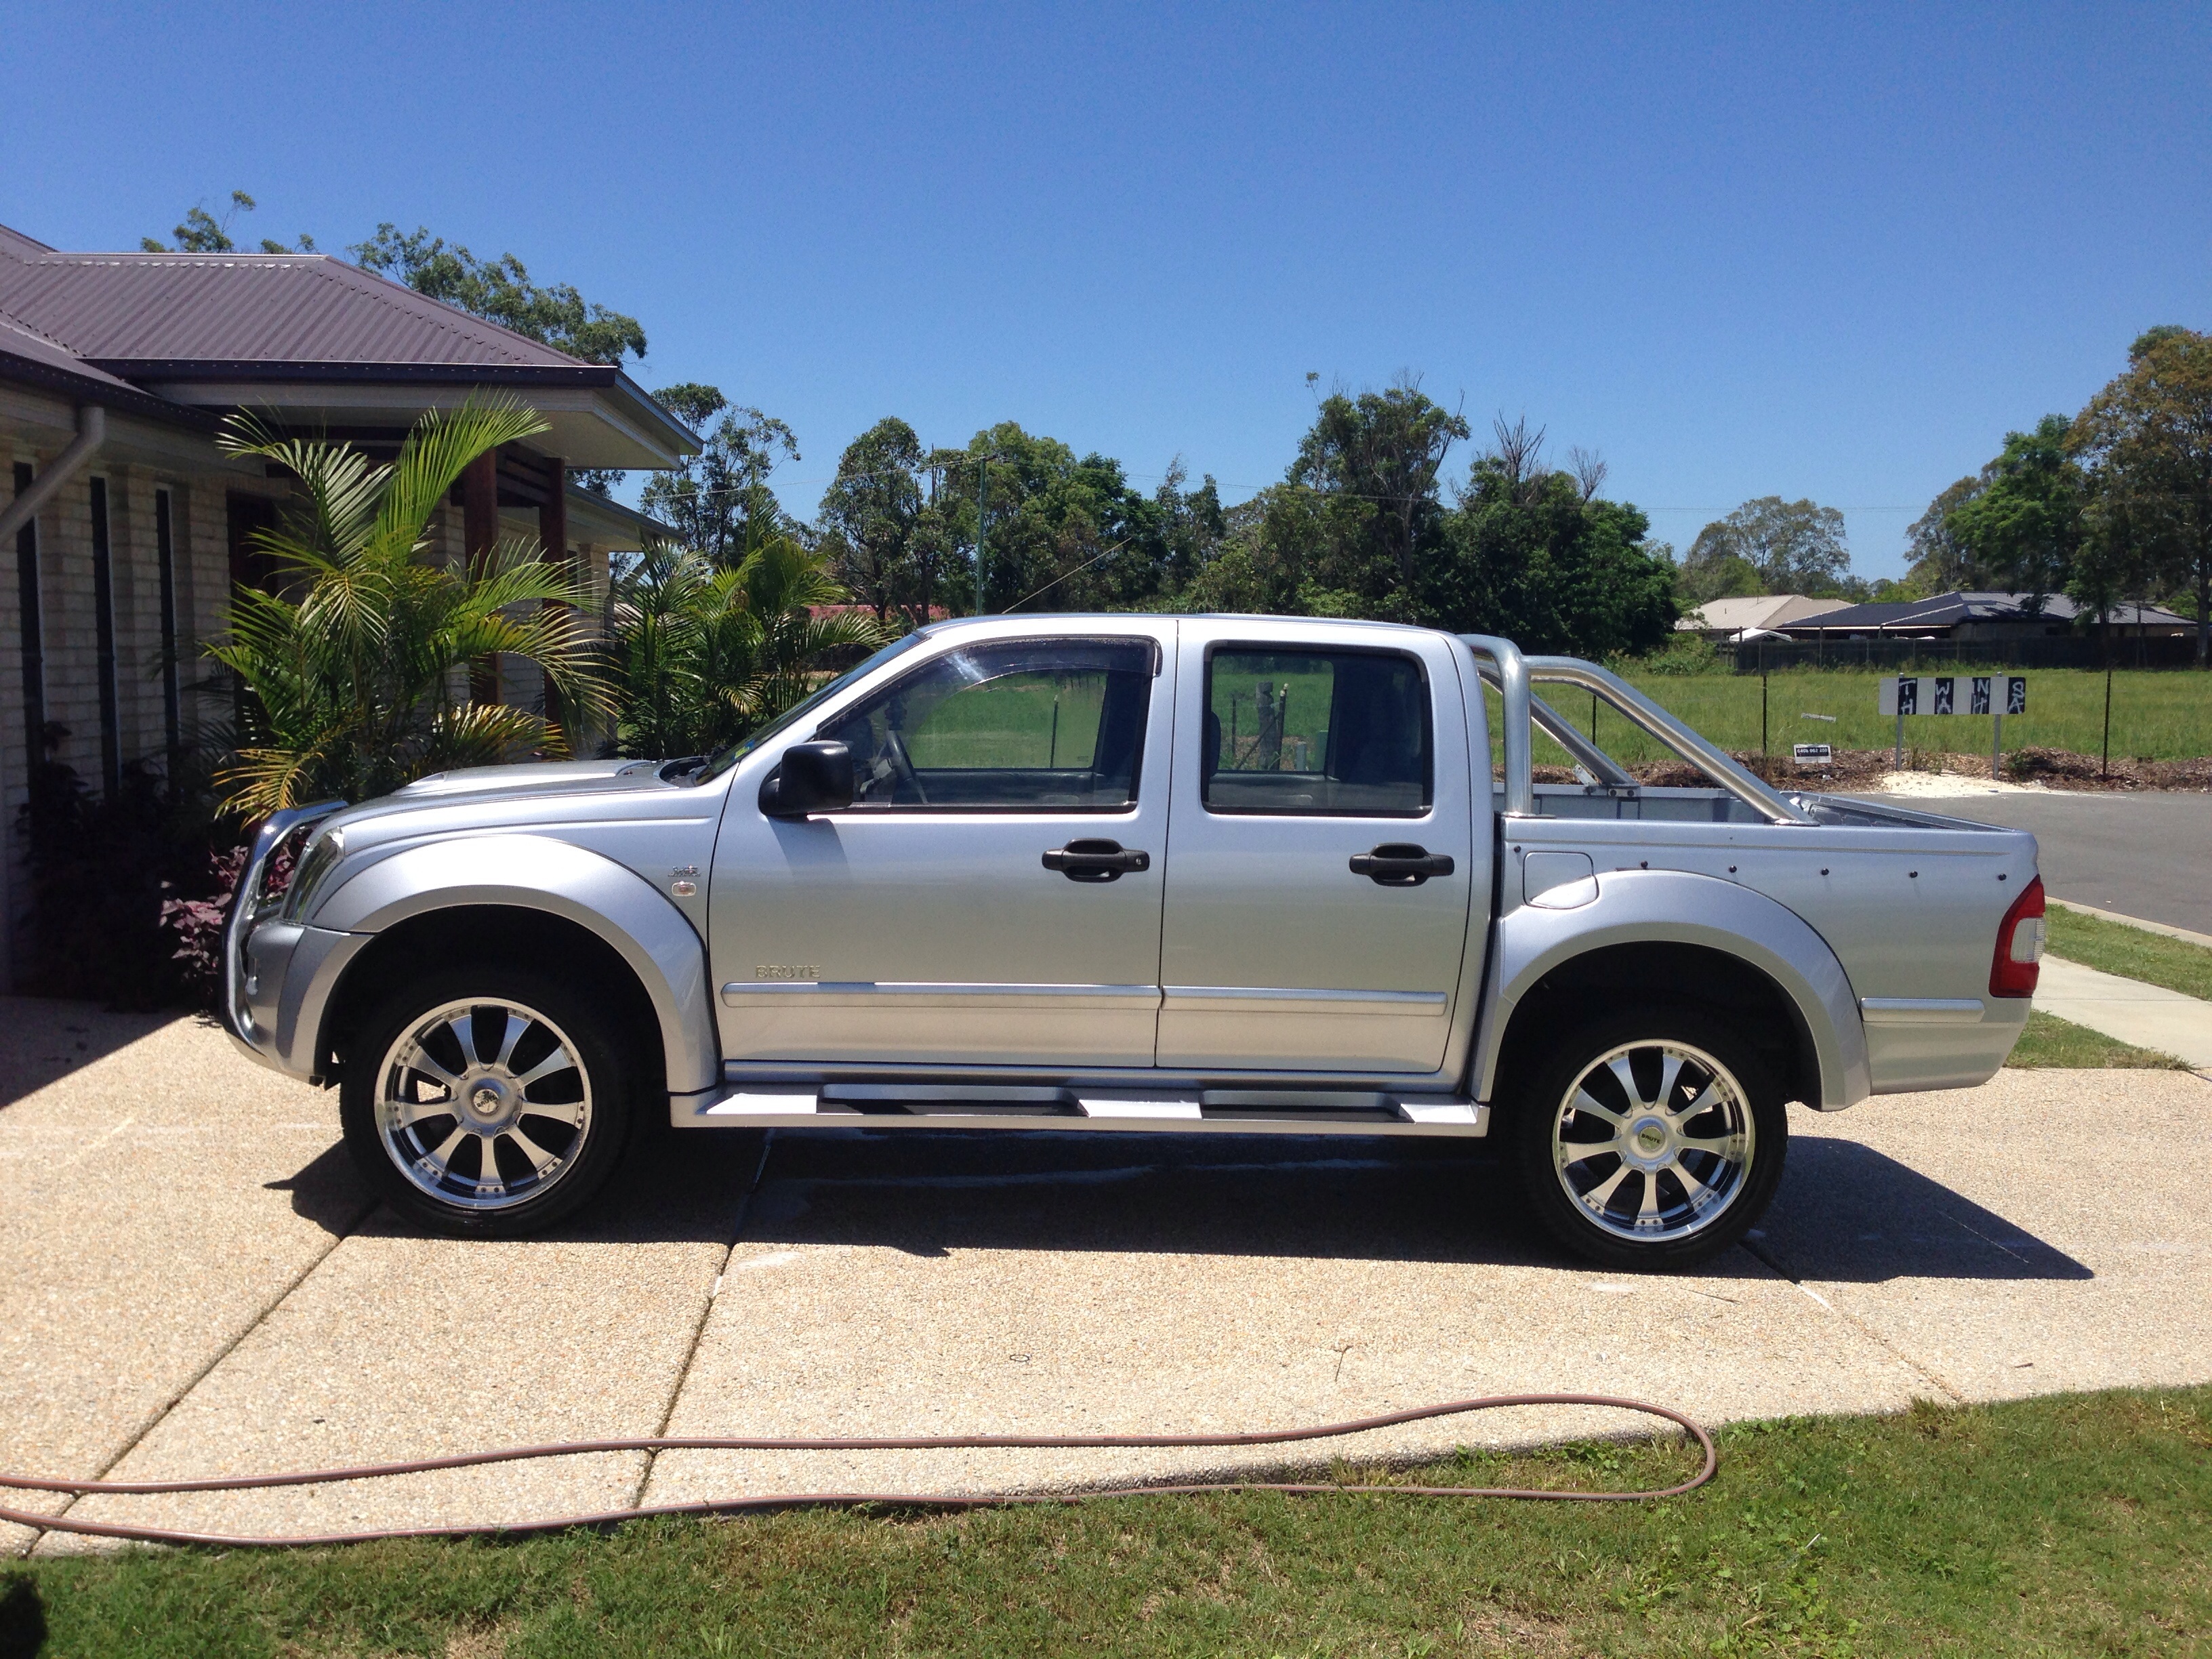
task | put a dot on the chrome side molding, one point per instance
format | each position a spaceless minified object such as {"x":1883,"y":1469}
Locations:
{"x":1921,"y":1011}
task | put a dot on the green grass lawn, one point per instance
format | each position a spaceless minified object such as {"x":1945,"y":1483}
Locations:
{"x":2131,"y":952}
{"x":2049,"y":1041}
{"x":2155,"y":716}
{"x":2064,"y":1526}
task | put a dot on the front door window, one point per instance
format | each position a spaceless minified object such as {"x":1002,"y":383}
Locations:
{"x":1055,"y":726}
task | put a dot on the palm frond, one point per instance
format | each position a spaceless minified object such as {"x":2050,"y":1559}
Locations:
{"x":356,"y":678}
{"x":439,"y":449}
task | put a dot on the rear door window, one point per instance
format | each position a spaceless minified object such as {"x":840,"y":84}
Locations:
{"x":1321,"y":734}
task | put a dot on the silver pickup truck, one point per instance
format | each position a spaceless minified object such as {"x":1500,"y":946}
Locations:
{"x":1198,"y":874}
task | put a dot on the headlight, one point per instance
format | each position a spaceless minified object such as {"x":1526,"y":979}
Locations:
{"x":316,"y":863}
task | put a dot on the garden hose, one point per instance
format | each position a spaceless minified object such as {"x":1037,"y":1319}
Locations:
{"x":839,"y":1500}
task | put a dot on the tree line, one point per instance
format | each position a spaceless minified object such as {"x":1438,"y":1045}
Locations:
{"x":1363,"y":524}
{"x":2110,"y":504}
{"x":2114,"y":503}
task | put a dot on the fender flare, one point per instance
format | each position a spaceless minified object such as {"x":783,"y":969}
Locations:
{"x":536,"y":873}
{"x":1674,"y":907}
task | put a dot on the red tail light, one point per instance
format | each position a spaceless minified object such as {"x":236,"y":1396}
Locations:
{"x":2018,"y":961}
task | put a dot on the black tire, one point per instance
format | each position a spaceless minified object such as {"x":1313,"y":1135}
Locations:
{"x":452,"y":1194}
{"x":1636,"y":1208}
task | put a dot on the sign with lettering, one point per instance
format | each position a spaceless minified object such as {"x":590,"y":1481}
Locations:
{"x":1954,"y":694}
{"x":1815,"y":754}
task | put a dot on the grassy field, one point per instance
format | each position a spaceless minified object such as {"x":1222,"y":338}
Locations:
{"x":2155,"y":716}
{"x":1022,"y":720}
{"x":2063,"y":1526}
{"x":2049,"y":1041}
{"x":2130,"y":953}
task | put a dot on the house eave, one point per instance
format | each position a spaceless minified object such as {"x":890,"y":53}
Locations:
{"x":596,"y":418}
{"x":634,"y":529}
{"x":91,"y":389}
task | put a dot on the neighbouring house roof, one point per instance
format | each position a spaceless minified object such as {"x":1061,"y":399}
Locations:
{"x":315,"y":339}
{"x":1943,"y":611}
{"x":1760,"y":610}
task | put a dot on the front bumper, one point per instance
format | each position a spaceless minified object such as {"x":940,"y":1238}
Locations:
{"x":266,"y":992}
{"x":291,"y":973}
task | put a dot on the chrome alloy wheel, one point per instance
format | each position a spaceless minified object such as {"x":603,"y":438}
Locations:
{"x":483,"y":1104}
{"x":1652,"y":1142}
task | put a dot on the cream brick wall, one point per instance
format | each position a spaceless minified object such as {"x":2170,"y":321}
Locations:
{"x":200,"y":528}
{"x":136,"y":463}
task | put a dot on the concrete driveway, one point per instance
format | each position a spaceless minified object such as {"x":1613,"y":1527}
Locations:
{"x":198,"y":1284}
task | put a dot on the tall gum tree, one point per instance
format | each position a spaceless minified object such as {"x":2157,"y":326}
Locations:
{"x":2147,"y":439}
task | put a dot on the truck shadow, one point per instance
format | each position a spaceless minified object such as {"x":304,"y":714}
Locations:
{"x":1845,"y":1213}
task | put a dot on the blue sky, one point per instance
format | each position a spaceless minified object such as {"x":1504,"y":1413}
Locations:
{"x":1738,"y":251}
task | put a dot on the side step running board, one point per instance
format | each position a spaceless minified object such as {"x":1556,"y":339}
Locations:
{"x":1233,"y":1111}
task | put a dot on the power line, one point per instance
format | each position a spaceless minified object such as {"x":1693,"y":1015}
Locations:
{"x":697,"y":491}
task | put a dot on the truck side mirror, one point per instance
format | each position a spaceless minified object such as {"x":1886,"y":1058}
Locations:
{"x":812,"y":777}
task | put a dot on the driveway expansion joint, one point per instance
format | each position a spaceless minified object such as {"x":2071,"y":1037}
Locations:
{"x":706,"y":1311}
{"x":161,"y":1415}
{"x":1757,"y":1249}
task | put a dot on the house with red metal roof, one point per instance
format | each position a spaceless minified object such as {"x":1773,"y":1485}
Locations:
{"x":123,"y":527}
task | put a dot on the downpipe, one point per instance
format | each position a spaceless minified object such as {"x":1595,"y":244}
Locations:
{"x":91,"y":433}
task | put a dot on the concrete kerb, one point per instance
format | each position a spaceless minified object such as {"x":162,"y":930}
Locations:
{"x":2184,"y":935}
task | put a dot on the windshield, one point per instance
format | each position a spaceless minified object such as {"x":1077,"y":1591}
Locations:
{"x":800,"y":710}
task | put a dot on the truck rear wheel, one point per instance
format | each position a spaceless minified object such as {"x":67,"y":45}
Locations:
{"x":488,"y":1102}
{"x":1650,"y":1139}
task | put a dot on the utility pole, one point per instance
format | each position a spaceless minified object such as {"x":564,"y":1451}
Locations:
{"x":982,"y":477}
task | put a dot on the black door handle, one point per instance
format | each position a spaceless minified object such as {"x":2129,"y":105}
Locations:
{"x":1096,"y":861}
{"x":1401,"y":864}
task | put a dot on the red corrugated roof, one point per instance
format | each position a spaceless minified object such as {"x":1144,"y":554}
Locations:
{"x":16,"y":341}
{"x":119,"y":309}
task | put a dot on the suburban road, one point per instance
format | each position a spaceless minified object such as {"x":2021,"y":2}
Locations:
{"x":2145,"y":855}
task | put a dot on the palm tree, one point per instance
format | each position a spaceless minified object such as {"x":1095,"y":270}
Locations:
{"x":355,"y":675}
{"x":705,"y":654}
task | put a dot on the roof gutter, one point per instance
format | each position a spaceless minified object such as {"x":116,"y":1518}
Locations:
{"x":91,"y":433}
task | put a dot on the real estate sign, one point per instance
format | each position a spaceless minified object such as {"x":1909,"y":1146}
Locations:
{"x":1939,"y":693}
{"x":1997,"y":694}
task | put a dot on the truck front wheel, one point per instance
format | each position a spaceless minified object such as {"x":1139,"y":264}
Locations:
{"x":1650,"y":1139}
{"x":487,"y":1101}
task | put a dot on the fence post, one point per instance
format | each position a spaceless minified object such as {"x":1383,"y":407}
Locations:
{"x":2104,"y":765}
{"x":1762,"y":699}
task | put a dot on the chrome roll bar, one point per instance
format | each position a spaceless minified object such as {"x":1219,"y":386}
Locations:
{"x":246,"y":908}
{"x":1500,"y":663}
{"x":1510,"y":674}
{"x":1714,"y":762}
